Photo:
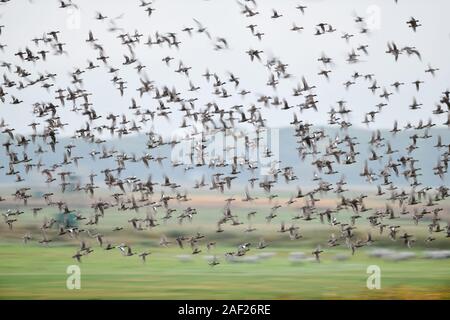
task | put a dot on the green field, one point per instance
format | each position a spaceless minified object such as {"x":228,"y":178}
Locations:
{"x":31,"y":272}
{"x":34,"y":271}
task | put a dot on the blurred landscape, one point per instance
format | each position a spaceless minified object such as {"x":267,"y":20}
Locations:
{"x":286,"y":269}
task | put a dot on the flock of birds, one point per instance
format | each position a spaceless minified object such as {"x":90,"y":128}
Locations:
{"x":419,"y":204}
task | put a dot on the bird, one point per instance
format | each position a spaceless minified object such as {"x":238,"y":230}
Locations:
{"x":214,"y":261}
{"x":317,"y":253}
{"x":413,"y":24}
{"x":143,"y":256}
{"x":125,"y":250}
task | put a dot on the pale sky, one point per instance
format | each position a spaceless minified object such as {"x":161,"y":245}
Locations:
{"x":26,"y":20}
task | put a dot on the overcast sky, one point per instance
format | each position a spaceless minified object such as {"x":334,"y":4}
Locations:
{"x":26,"y":20}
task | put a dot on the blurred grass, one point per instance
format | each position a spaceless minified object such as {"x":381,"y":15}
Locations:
{"x":36,"y":272}
{"x":32,"y":272}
